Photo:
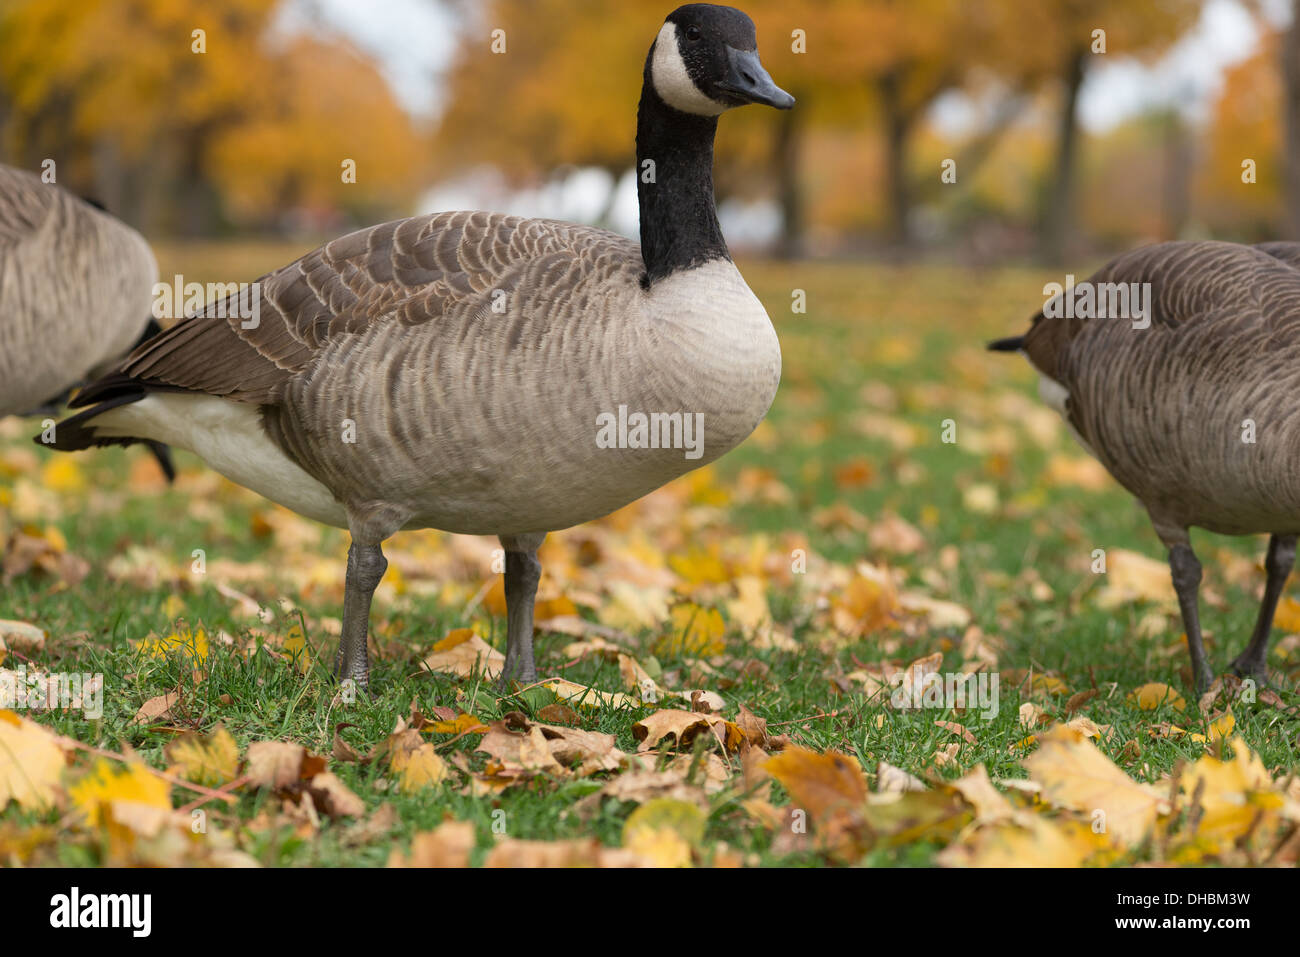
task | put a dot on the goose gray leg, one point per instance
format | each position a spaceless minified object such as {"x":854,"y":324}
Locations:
{"x":366,"y":567}
{"x":1186,"y":571}
{"x":523,"y":571}
{"x":1252,"y":663}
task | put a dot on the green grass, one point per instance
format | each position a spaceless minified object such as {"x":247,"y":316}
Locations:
{"x":911,"y":339}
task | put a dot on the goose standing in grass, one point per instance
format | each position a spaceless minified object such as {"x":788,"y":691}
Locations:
{"x":481,"y":373}
{"x":75,"y":291}
{"x":1197,"y":413}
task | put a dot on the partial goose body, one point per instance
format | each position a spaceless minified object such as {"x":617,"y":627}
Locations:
{"x":1198,"y":415}
{"x":466,"y":419}
{"x":75,"y":290}
{"x":478,"y":372}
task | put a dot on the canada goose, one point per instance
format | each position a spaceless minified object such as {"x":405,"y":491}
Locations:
{"x":1189,"y":402}
{"x":75,"y":291}
{"x":482,"y":373}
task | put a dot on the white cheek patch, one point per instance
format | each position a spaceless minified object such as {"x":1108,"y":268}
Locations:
{"x":673,"y":84}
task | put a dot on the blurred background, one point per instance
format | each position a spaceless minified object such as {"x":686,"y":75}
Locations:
{"x":1061,"y":150}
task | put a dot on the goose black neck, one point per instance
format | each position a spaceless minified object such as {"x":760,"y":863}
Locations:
{"x":679,"y":220}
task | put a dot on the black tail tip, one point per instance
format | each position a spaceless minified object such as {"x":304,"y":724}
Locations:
{"x":164,"y":456}
{"x":1012,"y":344}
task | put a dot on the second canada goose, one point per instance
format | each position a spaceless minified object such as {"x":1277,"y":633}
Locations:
{"x":75,"y":290}
{"x":1190,"y":403}
{"x":482,"y":373}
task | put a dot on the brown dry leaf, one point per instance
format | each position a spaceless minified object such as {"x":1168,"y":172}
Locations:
{"x":583,"y":852}
{"x":158,"y":708}
{"x":519,"y":754}
{"x":413,"y":760}
{"x":941,"y":615}
{"x":449,"y":845}
{"x":1075,"y":775}
{"x":830,"y":787}
{"x":31,"y":762}
{"x":892,"y":533}
{"x":682,"y":727}
{"x":583,"y":696}
{"x":749,"y":610}
{"x":342,"y":751}
{"x":280,"y":765}
{"x":464,"y":653}
{"x":1133,"y":577}
{"x":890,"y":778}
{"x":331,"y":796}
{"x":1079,"y":699}
{"x":583,"y":752}
{"x":20,"y":636}
{"x":1077,"y":470}
{"x":868,"y":604}
{"x":1028,"y":841}
{"x":752,"y":727}
{"x":559,"y":714}
{"x":640,"y":785}
{"x":960,"y":730}
{"x":990,"y":804}
{"x":1032,"y":715}
{"x":42,"y":555}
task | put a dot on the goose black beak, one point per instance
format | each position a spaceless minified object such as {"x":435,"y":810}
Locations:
{"x":748,"y":81}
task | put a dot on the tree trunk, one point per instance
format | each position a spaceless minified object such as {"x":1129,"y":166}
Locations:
{"x":1177,"y":179}
{"x":898,"y":125}
{"x":1058,"y":208}
{"x":789,"y":131}
{"x":1291,"y":104}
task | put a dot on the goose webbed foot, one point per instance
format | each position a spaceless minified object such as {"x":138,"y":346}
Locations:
{"x":1186,"y":573}
{"x":1253,"y":661}
{"x":366,"y":567}
{"x":523,"y":571}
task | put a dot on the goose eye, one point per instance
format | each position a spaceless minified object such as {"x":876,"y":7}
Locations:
{"x":692,"y":33}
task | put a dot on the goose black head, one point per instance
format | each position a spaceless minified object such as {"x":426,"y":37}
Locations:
{"x":705,"y":61}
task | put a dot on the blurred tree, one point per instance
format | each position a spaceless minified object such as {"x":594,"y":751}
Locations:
{"x":1250,"y":203}
{"x":170,"y":109}
{"x":1061,"y":40}
{"x":1291,"y":119}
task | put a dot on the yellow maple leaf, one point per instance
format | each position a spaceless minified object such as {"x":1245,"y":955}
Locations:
{"x":461,"y":724}
{"x":665,"y":830}
{"x":1230,"y":794}
{"x":417,"y":768}
{"x":1074,"y":774}
{"x":1287,"y":616}
{"x":1153,"y":694}
{"x":696,"y":631}
{"x":190,"y":642}
{"x":210,"y":760}
{"x":30,"y":762}
{"x":296,"y":646}
{"x":108,"y":781}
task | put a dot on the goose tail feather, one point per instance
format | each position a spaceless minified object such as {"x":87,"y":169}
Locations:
{"x":1011,"y":344}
